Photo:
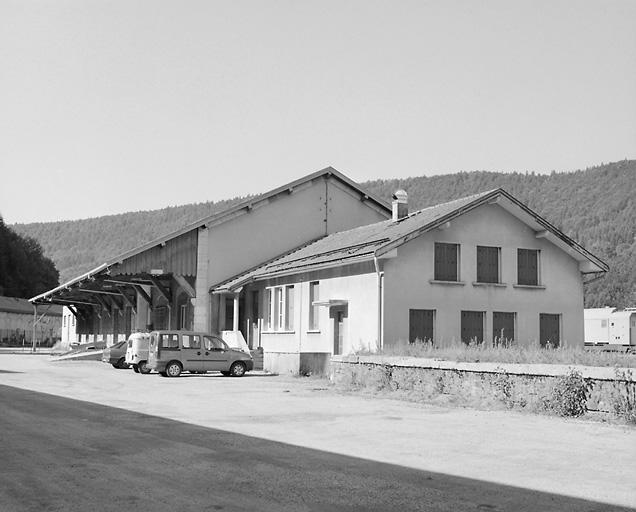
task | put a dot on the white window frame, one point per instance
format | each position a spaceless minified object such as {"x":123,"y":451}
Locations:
{"x":314,"y":312}
{"x":278,"y":310}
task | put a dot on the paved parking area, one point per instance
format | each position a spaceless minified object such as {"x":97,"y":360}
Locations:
{"x":559,"y":458}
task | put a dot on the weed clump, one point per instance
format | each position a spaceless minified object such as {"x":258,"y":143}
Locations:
{"x":569,"y":395}
{"x":504,"y":388}
{"x":623,"y":398}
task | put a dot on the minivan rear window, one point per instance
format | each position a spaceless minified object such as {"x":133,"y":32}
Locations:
{"x":169,"y":341}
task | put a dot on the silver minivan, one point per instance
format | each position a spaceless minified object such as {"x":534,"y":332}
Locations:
{"x":173,"y":352}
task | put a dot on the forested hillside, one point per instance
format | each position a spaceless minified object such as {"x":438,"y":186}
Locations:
{"x":596,"y":207}
{"x":24,"y":270}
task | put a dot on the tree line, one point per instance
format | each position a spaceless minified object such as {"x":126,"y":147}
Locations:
{"x":24,"y":270}
{"x":595,"y":206}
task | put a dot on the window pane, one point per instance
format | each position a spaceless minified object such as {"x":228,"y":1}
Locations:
{"x":289,"y":308}
{"x":212,"y":343}
{"x":169,"y":341}
{"x":446,"y":262}
{"x":279,"y":308}
{"x":270,"y":307}
{"x":313,"y":310}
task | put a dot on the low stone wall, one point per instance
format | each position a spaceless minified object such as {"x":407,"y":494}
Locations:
{"x":490,"y":385}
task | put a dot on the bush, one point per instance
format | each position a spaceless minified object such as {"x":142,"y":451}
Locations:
{"x":623,"y":398}
{"x":569,"y":395}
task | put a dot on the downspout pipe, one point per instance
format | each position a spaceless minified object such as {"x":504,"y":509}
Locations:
{"x":380,"y":275}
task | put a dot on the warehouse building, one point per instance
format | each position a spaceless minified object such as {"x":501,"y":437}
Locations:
{"x":320,"y":267}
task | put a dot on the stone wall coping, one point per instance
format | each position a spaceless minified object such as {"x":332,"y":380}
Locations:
{"x":545,"y":370}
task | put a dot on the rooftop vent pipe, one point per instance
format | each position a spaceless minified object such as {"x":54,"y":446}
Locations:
{"x":400,"y":205}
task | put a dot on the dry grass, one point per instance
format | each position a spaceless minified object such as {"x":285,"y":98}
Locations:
{"x":514,"y":354}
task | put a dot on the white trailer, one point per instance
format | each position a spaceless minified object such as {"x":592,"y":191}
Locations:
{"x":610,"y":328}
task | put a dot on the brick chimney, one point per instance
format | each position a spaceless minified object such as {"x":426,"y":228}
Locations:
{"x":400,"y":205}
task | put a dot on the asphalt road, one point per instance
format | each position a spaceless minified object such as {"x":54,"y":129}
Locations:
{"x":59,"y":454}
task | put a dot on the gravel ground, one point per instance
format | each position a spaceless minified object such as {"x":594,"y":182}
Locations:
{"x":531,"y":460}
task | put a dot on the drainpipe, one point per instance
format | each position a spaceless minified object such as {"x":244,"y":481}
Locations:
{"x":380,"y":275}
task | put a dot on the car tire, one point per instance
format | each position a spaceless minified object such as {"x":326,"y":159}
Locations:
{"x":173,"y":369}
{"x":121,"y":364}
{"x":163,"y":374}
{"x":144,"y":369}
{"x":135,"y":368}
{"x":238,"y":369}
{"x":226,"y":374}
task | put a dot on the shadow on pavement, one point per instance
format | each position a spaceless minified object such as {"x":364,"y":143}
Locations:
{"x":63,"y":454}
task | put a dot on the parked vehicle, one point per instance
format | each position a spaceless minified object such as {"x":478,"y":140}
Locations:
{"x":610,"y":329}
{"x":115,"y":355}
{"x":137,"y":352}
{"x":173,"y":352}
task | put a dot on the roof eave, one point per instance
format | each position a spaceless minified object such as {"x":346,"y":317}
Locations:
{"x":294,"y":271}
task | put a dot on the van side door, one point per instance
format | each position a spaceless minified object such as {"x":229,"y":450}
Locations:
{"x":191,"y":353}
{"x":216,"y":354}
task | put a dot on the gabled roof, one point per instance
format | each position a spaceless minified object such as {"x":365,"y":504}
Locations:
{"x":221,"y":217}
{"x":23,"y":306}
{"x":368,"y":242}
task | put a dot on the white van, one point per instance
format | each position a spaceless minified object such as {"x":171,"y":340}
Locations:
{"x":137,"y":352}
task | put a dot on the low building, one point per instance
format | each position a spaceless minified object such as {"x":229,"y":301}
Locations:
{"x":320,"y":267}
{"x":484,"y":268}
{"x":165,"y":284}
{"x":16,"y":323}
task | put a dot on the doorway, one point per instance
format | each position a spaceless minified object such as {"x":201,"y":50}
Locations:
{"x":339,"y":315}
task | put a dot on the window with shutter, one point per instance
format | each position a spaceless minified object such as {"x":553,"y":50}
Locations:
{"x":421,"y":324}
{"x":472,"y":327}
{"x":549,"y":330}
{"x":528,"y":267}
{"x":446,"y":262}
{"x":503,"y":328}
{"x":487,"y":264}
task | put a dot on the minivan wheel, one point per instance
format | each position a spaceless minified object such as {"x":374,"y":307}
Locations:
{"x":237,"y":369}
{"x":173,"y":369}
{"x":135,"y":368}
{"x":143,"y":368}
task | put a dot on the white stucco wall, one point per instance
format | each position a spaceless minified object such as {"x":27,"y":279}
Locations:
{"x":308,"y":212}
{"x":407,"y":281}
{"x":360,"y":293}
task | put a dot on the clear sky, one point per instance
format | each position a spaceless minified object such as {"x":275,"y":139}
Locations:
{"x":120,"y":105}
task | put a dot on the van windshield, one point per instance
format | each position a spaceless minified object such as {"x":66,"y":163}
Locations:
{"x":212,"y":343}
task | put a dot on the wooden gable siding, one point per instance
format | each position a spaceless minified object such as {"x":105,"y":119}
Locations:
{"x":177,"y":256}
